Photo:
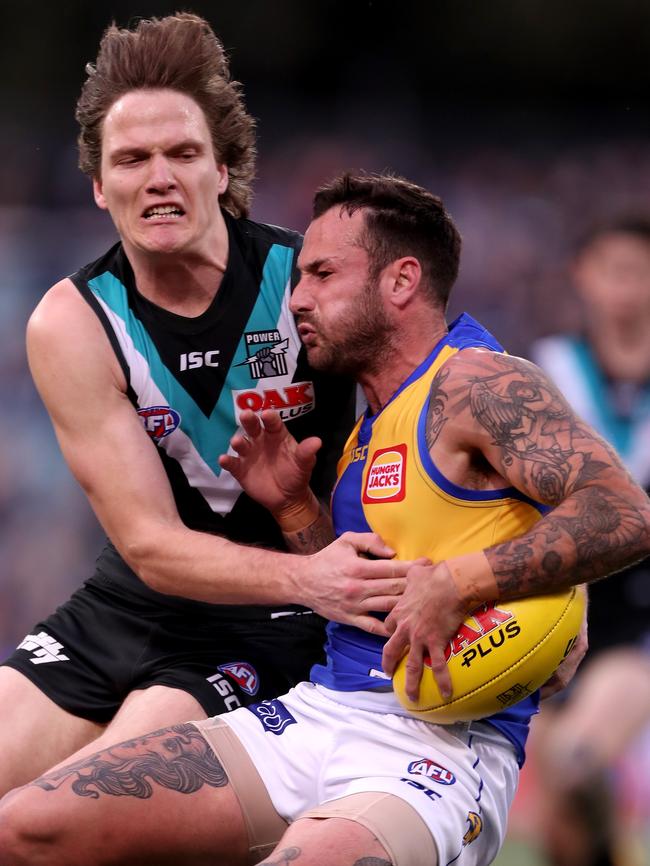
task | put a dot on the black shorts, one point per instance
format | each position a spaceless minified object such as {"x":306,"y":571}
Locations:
{"x":104,"y":643}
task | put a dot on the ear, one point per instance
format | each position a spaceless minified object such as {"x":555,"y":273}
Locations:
{"x":405,"y":275}
{"x":100,"y":201}
{"x":222,"y":171}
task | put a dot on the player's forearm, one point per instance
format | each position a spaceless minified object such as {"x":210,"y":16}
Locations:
{"x":204,"y":567}
{"x":311,"y":538}
{"x":596,"y":531}
{"x":305,"y":524}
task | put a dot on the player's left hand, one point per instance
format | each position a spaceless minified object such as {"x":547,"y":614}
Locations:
{"x":423,"y":622}
{"x":568,"y":666}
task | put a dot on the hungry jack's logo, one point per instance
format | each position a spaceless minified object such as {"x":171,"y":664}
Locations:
{"x":386,"y":478}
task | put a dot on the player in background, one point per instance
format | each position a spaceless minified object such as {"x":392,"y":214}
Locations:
{"x":486,"y":471}
{"x":144,"y":360}
{"x":604,"y":371}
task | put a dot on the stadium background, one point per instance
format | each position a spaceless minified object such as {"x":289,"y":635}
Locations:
{"x":529,"y":118}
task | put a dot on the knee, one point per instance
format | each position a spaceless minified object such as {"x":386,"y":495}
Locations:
{"x":29,"y":834}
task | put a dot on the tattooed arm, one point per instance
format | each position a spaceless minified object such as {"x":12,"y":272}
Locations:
{"x":600,"y":521}
{"x":498,"y":421}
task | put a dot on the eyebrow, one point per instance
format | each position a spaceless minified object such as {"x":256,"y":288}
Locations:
{"x":135,"y":150}
{"x":315,"y":265}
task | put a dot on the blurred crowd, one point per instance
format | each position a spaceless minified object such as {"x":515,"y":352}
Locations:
{"x":521,"y":211}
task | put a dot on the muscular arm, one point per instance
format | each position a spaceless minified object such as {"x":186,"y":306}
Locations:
{"x":115,"y":462}
{"x":498,"y":421}
{"x":600,"y":522}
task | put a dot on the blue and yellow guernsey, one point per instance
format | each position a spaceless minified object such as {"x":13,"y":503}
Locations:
{"x":388,"y":483}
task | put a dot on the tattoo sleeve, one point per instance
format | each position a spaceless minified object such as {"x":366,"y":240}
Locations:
{"x":600,"y":521}
{"x":177,"y":758}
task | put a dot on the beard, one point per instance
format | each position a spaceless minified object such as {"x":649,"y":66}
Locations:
{"x":358,"y":342}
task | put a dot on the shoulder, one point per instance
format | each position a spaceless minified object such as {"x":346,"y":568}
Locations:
{"x":479,"y":384}
{"x":63,"y":324}
{"x":478,"y":363}
{"x":267,"y":234}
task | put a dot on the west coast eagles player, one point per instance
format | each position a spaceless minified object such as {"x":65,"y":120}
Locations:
{"x":460,"y":456}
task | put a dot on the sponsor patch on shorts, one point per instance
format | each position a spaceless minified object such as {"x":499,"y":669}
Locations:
{"x":432,"y":770}
{"x":273,"y":715}
{"x":45,"y":648}
{"x":244,"y":675}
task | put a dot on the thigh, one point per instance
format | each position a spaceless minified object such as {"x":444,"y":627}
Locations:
{"x":334,"y":841}
{"x":35,"y":733}
{"x":161,"y":799}
{"x":142,"y":712}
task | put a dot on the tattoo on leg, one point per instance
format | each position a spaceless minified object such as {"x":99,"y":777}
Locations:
{"x":372,"y":861}
{"x":284,"y":857}
{"x":177,"y":758}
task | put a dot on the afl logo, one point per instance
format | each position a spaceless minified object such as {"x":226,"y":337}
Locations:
{"x":435,"y":772}
{"x":244,"y":675}
{"x":386,"y":479}
{"x":159,"y":421}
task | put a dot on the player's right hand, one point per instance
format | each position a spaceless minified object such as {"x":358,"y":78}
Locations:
{"x":267,"y":461}
{"x":341,"y":583}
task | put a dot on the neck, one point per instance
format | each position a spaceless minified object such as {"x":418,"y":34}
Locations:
{"x":404,"y":354}
{"x":182,"y":282}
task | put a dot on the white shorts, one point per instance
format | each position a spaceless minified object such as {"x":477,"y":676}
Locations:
{"x":310,"y":749}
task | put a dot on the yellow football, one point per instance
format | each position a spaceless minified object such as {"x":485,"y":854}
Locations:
{"x":502,"y":653}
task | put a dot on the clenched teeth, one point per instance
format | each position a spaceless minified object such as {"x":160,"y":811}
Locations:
{"x":163,"y":210}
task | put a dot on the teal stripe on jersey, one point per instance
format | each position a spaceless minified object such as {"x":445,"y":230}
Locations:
{"x":210,"y":437}
{"x":275,"y":276}
{"x":616,"y":430}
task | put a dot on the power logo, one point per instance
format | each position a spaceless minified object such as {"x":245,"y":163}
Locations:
{"x":386,"y":478}
{"x":290,"y":402}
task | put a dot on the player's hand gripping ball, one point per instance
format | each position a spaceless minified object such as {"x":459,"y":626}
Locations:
{"x":501,"y":654}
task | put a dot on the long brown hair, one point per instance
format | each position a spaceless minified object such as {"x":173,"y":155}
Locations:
{"x":179,"y":52}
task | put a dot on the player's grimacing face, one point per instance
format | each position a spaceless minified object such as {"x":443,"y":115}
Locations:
{"x":338,"y":309}
{"x":159,"y":180}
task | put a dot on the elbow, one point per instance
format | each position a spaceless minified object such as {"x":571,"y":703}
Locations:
{"x":145,"y":555}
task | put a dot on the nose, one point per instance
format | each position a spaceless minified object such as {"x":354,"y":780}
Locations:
{"x":301,"y":300}
{"x":161,"y":177}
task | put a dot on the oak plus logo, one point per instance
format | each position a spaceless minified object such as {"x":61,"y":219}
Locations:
{"x":386,"y":479}
{"x":265,"y":354}
{"x":289,"y":402}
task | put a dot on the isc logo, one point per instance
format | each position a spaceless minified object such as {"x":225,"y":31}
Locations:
{"x":192,"y":360}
